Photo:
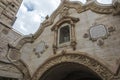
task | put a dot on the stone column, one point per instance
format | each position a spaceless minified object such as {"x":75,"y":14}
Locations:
{"x":55,"y":40}
{"x":73,"y":39}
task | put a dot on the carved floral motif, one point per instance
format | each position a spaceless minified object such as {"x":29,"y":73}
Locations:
{"x":40,"y":48}
{"x":92,"y":64}
{"x":99,"y":33}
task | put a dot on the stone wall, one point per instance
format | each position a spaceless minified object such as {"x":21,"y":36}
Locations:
{"x":30,"y":53}
{"x":105,"y":50}
{"x":8,"y":10}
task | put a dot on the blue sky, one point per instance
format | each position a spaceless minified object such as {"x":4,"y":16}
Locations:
{"x":33,"y":12}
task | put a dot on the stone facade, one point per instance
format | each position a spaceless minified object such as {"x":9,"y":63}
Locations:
{"x":94,"y":41}
{"x":8,"y":11}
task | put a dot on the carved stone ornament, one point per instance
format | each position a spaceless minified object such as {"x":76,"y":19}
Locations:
{"x":66,"y":20}
{"x":13,"y":55}
{"x":40,"y":48}
{"x":92,"y":64}
{"x":98,"y":31}
{"x":100,"y":42}
{"x":93,"y":5}
{"x":64,"y":12}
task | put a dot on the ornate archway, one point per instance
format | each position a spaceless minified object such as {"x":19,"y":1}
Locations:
{"x":90,"y":65}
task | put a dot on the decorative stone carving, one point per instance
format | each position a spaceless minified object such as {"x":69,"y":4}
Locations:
{"x":73,"y":44}
{"x":98,"y":31}
{"x":86,"y":35}
{"x":23,"y":68}
{"x":92,"y":64}
{"x":116,"y":4}
{"x":100,"y":42}
{"x":66,"y":20}
{"x":23,"y":40}
{"x":40,"y":48}
{"x":111,"y":29}
{"x":64,"y":12}
{"x":79,"y":7}
{"x":14,"y":55}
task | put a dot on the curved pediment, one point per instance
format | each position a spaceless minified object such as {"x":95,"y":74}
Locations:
{"x":65,"y":5}
{"x":65,"y":19}
{"x":93,"y":5}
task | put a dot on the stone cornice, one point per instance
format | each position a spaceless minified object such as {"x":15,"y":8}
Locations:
{"x":22,"y":41}
{"x":65,"y":19}
{"x":93,"y":5}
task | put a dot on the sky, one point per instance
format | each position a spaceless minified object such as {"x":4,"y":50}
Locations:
{"x":33,"y":12}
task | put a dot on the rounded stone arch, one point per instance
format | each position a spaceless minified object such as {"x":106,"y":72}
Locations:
{"x":91,"y":64}
{"x":14,"y":57}
{"x":22,"y":67}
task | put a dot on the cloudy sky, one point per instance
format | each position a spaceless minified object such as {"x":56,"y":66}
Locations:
{"x":33,"y":12}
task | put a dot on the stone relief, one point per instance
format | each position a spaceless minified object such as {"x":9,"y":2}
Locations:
{"x":56,"y":27}
{"x":92,"y":64}
{"x":13,"y":55}
{"x":64,"y":12}
{"x":40,"y":48}
{"x":67,"y":4}
{"x":98,"y":33}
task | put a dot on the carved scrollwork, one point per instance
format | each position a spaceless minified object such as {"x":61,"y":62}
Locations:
{"x":65,"y":21}
{"x":92,"y":64}
{"x":79,"y":7}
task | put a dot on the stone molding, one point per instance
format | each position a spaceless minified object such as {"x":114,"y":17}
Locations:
{"x":93,"y":5}
{"x":22,"y":41}
{"x":21,"y":66}
{"x":71,"y":21}
{"x":84,"y":60}
{"x":79,"y":7}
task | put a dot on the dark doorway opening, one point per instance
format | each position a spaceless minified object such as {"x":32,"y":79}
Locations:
{"x":7,"y":78}
{"x":69,"y":71}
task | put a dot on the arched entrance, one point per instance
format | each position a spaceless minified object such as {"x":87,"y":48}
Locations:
{"x":69,"y":71}
{"x":72,"y":67}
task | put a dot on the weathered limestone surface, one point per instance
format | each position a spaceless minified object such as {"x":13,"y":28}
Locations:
{"x":8,"y":11}
{"x":29,"y":53}
{"x":107,"y":54}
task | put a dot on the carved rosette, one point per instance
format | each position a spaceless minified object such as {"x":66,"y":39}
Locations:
{"x":92,"y":64}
